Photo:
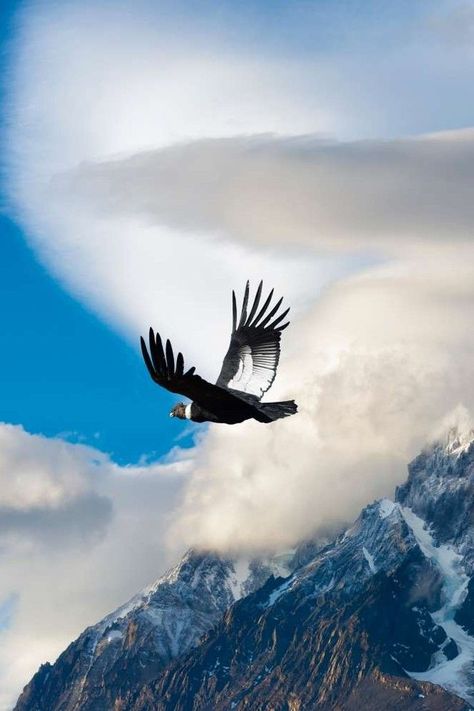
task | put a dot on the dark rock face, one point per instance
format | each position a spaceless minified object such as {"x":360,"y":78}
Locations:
{"x":367,"y":620}
{"x":135,"y":643}
{"x":328,"y":652}
{"x":465,"y":614}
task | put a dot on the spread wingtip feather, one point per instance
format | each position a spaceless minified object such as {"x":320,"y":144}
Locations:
{"x":169,"y":357}
{"x":243,"y":314}
{"x":234,"y":312}
{"x":256,"y":302}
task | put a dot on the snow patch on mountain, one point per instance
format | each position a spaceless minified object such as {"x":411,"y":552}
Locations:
{"x":241,"y":575}
{"x":370,"y":559}
{"x":456,"y":675}
{"x":386,"y":507}
{"x":280,"y":590}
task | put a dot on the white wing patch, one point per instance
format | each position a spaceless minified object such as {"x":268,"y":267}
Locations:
{"x":252,"y":376}
{"x":244,"y":372}
{"x":251,"y":361}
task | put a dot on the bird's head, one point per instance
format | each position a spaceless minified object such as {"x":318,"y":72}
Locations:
{"x":179,"y":410}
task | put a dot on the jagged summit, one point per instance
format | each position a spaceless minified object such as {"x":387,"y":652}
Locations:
{"x":457,"y":440}
{"x":379,"y":617}
{"x":440,"y":489}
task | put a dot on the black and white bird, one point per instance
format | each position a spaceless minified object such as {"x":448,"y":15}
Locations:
{"x":248,"y":370}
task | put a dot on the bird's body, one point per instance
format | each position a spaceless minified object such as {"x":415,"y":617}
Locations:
{"x":230,"y":413}
{"x":248,"y":370}
{"x":233,"y":410}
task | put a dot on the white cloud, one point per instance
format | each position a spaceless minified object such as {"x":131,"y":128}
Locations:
{"x":382,"y":195}
{"x":91,"y":80}
{"x":160,"y":235}
{"x":79,"y":535}
{"x":380,"y":363}
{"x":134,"y":88}
{"x":45,"y":474}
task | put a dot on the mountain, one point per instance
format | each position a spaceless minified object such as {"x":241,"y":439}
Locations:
{"x":381,"y":616}
{"x":133,"y":644}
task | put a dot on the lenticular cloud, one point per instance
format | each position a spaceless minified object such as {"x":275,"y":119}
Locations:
{"x":131,"y":269}
{"x":391,"y":196}
{"x":165,"y":195}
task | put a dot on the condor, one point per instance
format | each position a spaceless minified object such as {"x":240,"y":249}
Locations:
{"x":248,"y":370}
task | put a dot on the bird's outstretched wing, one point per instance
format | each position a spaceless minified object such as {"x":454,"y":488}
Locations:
{"x":170,"y":374}
{"x":251,"y":362}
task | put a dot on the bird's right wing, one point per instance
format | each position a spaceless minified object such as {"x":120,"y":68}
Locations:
{"x":169,"y":373}
{"x":251,"y":361}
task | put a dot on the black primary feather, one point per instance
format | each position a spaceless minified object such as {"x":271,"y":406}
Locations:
{"x":263,"y":309}
{"x":243,"y":316}
{"x":169,"y":358}
{"x":179,"y":365}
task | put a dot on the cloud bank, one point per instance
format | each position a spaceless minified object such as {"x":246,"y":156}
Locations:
{"x":166,"y":192}
{"x":78,"y":536}
{"x":375,"y":363}
{"x":382,"y":362}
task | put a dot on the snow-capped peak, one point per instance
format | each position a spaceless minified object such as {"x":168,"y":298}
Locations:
{"x":458,"y":441}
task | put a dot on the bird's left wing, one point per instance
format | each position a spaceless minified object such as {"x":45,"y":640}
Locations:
{"x":251,"y":361}
{"x":169,"y":373}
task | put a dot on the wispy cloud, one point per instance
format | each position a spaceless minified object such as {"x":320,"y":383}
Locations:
{"x":78,"y":535}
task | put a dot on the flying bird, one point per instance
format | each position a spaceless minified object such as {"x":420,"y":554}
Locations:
{"x":248,"y":370}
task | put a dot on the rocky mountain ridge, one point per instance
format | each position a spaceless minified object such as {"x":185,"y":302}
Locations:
{"x":135,"y":642}
{"x":381,"y":615}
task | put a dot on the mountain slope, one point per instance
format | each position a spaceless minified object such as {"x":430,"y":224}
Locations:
{"x":380,"y":617}
{"x":372,"y":614}
{"x":137,"y":641}
{"x":303,"y":652}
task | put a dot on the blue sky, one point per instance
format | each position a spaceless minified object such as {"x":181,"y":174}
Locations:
{"x":63,"y":371}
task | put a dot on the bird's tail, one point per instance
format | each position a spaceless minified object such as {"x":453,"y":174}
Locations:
{"x":272,"y":411}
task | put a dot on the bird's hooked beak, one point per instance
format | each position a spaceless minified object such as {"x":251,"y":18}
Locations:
{"x":171,"y":414}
